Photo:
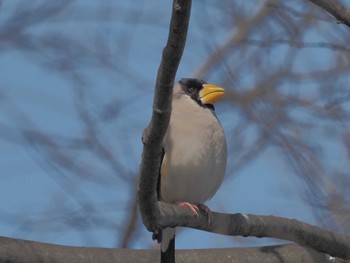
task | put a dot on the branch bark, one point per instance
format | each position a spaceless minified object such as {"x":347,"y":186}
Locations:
{"x":259,"y":226}
{"x":340,"y":12}
{"x":16,"y":250}
{"x":158,"y":215}
{"x":154,"y":133}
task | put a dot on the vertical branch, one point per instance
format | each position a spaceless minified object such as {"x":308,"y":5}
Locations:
{"x":154,"y":133}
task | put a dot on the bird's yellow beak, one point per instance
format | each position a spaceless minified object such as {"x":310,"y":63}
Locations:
{"x":210,"y":93}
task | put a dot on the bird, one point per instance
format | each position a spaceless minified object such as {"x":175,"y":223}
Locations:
{"x":194,"y":154}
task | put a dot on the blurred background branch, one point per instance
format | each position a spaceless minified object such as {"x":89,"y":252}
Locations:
{"x":76,"y":91}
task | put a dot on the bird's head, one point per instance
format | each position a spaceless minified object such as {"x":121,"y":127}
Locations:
{"x":203,"y":93}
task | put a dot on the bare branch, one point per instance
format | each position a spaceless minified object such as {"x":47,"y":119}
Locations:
{"x":130,"y":224}
{"x":154,"y":133}
{"x":340,"y":12}
{"x":32,"y":252}
{"x":260,"y":226}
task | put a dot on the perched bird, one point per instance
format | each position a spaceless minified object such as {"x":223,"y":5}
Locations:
{"x":194,"y":153}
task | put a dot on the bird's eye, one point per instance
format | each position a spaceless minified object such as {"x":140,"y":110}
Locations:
{"x":190,"y":90}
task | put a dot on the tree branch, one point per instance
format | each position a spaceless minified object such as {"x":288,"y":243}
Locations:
{"x":340,"y":12}
{"x":158,"y":215}
{"x":16,"y":250}
{"x":259,"y":226}
{"x":154,"y":133}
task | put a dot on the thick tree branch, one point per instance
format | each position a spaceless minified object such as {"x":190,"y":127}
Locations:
{"x":158,"y":215}
{"x":259,"y":226}
{"x":154,"y":133}
{"x":16,"y":250}
{"x":340,"y":12}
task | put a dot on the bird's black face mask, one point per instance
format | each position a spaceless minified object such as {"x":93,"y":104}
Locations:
{"x":192,"y":87}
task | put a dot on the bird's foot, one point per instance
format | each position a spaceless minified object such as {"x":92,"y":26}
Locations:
{"x":206,"y":211}
{"x":194,"y":209}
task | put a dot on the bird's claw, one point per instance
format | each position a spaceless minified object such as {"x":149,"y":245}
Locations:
{"x":206,"y":211}
{"x":196,"y":208}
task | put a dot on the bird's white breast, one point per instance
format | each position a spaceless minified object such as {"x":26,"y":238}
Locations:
{"x":194,"y":163}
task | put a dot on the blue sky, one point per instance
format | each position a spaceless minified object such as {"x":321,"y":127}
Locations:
{"x":32,"y":95}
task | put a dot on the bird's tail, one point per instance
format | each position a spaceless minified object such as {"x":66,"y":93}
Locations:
{"x":167,"y":253}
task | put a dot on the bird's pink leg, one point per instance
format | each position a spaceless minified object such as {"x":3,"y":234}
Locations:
{"x":195,"y":209}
